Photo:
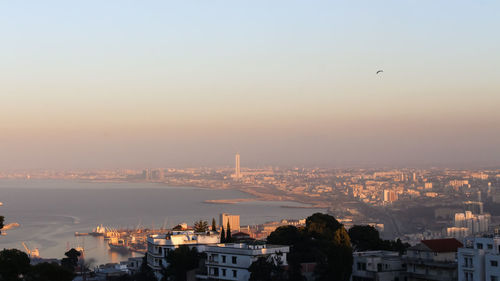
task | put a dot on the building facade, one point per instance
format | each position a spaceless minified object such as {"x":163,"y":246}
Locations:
{"x":160,"y":245}
{"x":433,"y":260}
{"x":479,"y":260}
{"x":377,"y":266}
{"x":231,"y":261}
{"x":234,"y":221}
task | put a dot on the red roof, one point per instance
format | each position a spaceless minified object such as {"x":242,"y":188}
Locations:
{"x":443,"y":245}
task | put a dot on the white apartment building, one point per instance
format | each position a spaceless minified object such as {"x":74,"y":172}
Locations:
{"x":480,"y":260}
{"x":377,"y":265}
{"x":160,"y":245}
{"x":231,"y":261}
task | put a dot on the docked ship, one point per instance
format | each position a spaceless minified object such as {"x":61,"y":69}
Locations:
{"x":119,"y":245}
{"x":138,"y":244}
{"x":98,"y":231}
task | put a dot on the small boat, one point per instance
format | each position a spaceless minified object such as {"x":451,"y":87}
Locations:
{"x":81,"y":233}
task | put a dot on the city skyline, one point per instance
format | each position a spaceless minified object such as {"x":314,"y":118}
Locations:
{"x":284,"y":83}
{"x":250,"y":140}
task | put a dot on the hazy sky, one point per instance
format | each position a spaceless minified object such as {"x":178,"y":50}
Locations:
{"x":91,"y":84}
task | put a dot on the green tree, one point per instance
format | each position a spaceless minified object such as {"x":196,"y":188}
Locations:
{"x":222,"y":235}
{"x":391,"y":245}
{"x":178,"y":227}
{"x":299,"y":240}
{"x":341,"y":238}
{"x":229,"y":237}
{"x":49,"y":272}
{"x":71,"y":260}
{"x":201,"y":226}
{"x":364,"y":237}
{"x":334,"y":263}
{"x":294,"y":272}
{"x":334,"y":259}
{"x":324,"y":240}
{"x":13,"y":264}
{"x":180,"y":261}
{"x":322,"y":226}
{"x":285,"y":235}
{"x":267,"y":269}
{"x":2,"y":218}
{"x":214,"y":225}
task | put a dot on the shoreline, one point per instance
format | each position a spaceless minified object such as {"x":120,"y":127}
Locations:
{"x":256,"y":193}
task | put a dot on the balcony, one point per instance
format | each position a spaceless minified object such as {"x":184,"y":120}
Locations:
{"x":212,"y":261}
{"x":468,"y":266}
{"x":430,"y":262}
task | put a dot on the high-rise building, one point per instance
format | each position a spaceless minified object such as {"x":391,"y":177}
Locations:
{"x":474,"y":206}
{"x":146,"y":174}
{"x":237,"y":172}
{"x":458,"y":233}
{"x":475,"y":223}
{"x":234,"y":221}
{"x":390,"y":196}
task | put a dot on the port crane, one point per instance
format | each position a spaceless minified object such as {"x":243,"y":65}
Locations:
{"x":31,"y":253}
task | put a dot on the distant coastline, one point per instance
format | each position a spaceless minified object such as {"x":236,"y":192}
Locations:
{"x":229,"y":201}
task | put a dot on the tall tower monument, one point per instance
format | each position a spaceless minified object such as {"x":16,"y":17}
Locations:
{"x":237,"y":172}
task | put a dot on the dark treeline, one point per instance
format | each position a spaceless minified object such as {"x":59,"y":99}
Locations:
{"x":15,"y":266}
{"x":323,"y":241}
{"x":367,"y":238}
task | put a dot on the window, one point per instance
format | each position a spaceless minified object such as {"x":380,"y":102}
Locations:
{"x":494,"y":263}
{"x":479,"y":245}
{"x":361,"y":266}
{"x":494,"y":278}
{"x":223,"y":272}
{"x":223,"y":259}
{"x":214,"y":258}
{"x":235,"y":273}
{"x":490,"y":246}
{"x":234,"y":260}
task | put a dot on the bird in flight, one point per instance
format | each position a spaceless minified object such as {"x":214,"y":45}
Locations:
{"x":379,"y":71}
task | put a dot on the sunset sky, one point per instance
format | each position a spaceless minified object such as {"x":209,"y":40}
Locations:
{"x":104,"y":84}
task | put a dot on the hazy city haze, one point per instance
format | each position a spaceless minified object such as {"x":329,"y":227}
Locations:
{"x":153,"y":84}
